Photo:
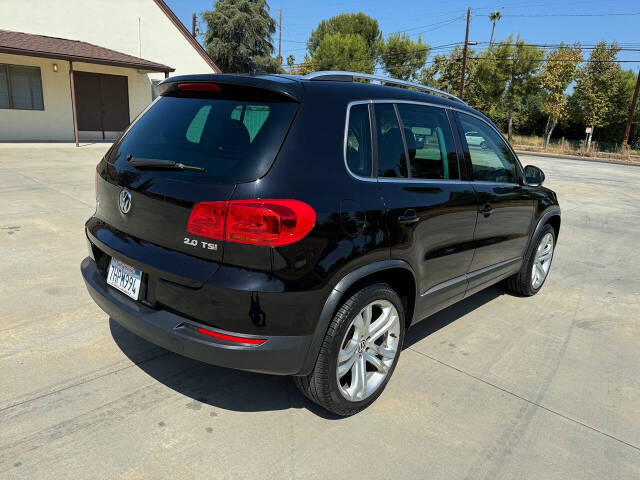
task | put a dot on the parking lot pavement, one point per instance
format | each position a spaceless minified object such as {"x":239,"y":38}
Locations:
{"x":498,"y":386}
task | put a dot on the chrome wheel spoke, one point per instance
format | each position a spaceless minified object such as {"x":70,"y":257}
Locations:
{"x":358,"y":388}
{"x":384,"y":352}
{"x":347,"y":364}
{"x":376,"y":362}
{"x":384,"y":316}
{"x":381,"y":325}
{"x":367,"y":313}
{"x":358,"y":324}
{"x":348,"y":351}
{"x":544,"y":257}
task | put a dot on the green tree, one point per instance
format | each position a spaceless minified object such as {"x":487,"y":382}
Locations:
{"x":494,"y":17}
{"x":519,"y":66}
{"x":444,"y":71}
{"x":402,"y":57}
{"x":338,"y":51}
{"x":348,"y":24}
{"x":487,"y":86}
{"x":306,"y":66}
{"x":597,"y":81}
{"x":558,"y":72}
{"x":238,"y":36}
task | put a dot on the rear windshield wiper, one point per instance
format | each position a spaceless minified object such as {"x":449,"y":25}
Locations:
{"x":161,"y":164}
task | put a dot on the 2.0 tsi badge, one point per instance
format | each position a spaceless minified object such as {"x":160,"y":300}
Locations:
{"x":125,"y":201}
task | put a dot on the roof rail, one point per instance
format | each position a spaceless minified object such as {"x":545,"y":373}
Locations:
{"x":340,"y":76}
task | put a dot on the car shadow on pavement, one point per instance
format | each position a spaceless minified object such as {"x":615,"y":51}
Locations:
{"x":225,"y":388}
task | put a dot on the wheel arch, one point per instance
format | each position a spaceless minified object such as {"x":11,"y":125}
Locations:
{"x":554,"y":221}
{"x":397,"y":273}
{"x":550,"y":216}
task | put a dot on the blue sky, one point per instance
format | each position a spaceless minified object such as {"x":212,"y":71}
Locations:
{"x":442,"y":22}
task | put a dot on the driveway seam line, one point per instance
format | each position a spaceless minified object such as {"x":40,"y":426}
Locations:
{"x":486,"y":382}
{"x":86,"y":380}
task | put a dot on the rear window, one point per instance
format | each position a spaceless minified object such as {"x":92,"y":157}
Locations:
{"x":234,"y":140}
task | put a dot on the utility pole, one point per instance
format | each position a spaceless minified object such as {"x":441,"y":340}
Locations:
{"x":280,"y":38}
{"x":632,"y":110}
{"x":464,"y":54}
{"x":193,"y":27}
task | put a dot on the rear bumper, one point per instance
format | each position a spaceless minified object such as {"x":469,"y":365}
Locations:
{"x":280,"y":355}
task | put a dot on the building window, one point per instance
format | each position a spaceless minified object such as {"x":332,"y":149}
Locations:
{"x":20,"y":87}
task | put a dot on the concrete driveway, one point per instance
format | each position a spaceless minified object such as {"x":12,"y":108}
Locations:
{"x":496,"y":387}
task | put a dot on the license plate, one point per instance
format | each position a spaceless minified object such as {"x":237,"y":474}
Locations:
{"x":124,"y":278}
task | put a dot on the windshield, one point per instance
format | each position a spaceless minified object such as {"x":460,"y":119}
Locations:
{"x":233,"y":140}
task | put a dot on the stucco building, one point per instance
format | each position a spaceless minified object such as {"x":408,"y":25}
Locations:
{"x":74,"y":69}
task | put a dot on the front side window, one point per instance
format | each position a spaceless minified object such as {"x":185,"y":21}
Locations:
{"x":391,"y":158}
{"x":359,"y":141}
{"x":20,"y":87}
{"x":491,"y":158}
{"x":432,"y":152}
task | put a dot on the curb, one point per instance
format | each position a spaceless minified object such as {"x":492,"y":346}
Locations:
{"x":577,"y":157}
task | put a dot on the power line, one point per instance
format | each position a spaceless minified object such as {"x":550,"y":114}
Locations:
{"x":628,"y":14}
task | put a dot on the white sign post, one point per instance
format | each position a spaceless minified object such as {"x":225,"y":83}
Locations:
{"x":589,"y":132}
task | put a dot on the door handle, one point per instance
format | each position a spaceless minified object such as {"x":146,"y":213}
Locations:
{"x":409,"y":218}
{"x":486,"y":210}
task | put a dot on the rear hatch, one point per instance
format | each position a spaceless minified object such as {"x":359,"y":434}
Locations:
{"x":222,"y":134}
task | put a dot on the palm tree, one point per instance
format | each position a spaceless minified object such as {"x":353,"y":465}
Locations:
{"x":494,"y":17}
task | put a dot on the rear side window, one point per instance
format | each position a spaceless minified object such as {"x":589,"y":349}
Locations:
{"x":234,"y":140}
{"x":432,"y":153}
{"x":359,"y":141}
{"x":391,"y":157}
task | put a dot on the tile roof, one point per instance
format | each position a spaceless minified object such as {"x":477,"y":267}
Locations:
{"x":19,"y":43}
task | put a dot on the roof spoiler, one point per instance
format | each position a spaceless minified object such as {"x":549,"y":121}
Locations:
{"x":286,"y":87}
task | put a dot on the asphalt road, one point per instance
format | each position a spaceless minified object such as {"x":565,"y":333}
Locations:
{"x":495,"y":387}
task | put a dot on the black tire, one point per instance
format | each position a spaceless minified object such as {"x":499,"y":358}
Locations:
{"x":321,"y":386}
{"x":520,"y":283}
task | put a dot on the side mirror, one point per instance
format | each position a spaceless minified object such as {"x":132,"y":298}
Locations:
{"x":533,"y":176}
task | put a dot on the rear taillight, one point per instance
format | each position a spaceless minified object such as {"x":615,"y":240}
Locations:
{"x":269,"y":223}
{"x":207,"y":219}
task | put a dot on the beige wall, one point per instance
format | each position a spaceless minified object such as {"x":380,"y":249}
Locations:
{"x":114,"y":24}
{"x":135,"y":27}
{"x":55,"y":122}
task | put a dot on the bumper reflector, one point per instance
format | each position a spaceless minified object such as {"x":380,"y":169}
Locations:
{"x":231,"y":338}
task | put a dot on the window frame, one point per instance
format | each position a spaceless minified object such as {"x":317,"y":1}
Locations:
{"x":467,"y":152}
{"x":6,"y":68}
{"x":374,"y":145}
{"x":455,"y":132}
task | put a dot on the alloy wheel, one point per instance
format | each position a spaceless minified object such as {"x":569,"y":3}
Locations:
{"x":368,"y":350}
{"x":542,"y":261}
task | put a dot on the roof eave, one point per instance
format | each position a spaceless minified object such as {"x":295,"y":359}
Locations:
{"x":75,"y":58}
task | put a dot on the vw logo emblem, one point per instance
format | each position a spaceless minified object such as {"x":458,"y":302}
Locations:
{"x":125,"y":201}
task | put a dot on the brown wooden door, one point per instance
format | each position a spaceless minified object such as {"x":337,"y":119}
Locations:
{"x":102,"y":102}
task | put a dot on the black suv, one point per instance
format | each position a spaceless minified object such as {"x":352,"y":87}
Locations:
{"x":299,"y":225}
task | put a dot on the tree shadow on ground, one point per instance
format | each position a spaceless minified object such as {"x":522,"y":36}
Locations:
{"x":240,"y":391}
